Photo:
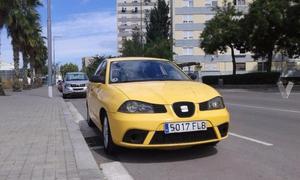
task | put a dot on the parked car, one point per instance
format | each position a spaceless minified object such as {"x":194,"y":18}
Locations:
{"x":151,"y":103}
{"x":291,"y":75}
{"x":75,"y":83}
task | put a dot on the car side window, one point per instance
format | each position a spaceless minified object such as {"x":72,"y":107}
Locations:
{"x":101,"y":71}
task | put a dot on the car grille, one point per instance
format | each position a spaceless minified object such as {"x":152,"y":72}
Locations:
{"x":161,"y":138}
{"x":77,"y":85}
{"x":179,"y":111}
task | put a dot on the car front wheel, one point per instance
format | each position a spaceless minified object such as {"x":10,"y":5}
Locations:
{"x":88,"y":118}
{"x":109,"y":146}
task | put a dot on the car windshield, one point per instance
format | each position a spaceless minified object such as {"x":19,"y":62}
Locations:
{"x":145,"y":70}
{"x":76,"y":77}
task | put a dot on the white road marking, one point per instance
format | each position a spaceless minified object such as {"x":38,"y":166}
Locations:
{"x":115,"y":171}
{"x":250,"y":139}
{"x":96,"y":147}
{"x":265,"y":108}
{"x":77,"y":116}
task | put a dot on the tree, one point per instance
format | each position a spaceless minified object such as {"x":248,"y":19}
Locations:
{"x":159,"y":24}
{"x":68,"y":67}
{"x":289,"y":43}
{"x":133,"y":47}
{"x":161,"y":49}
{"x":158,"y":41}
{"x":264,"y":27}
{"x":90,"y":69}
{"x":158,"y":38}
{"x":222,"y":32}
{"x":31,"y":42}
{"x":2,"y":93}
{"x":16,"y":16}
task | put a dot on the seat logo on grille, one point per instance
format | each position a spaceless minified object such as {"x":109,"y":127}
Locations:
{"x":184,"y":109}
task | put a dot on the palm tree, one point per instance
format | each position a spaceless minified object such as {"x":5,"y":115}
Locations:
{"x":21,"y":20}
{"x":32,"y":33}
{"x":4,"y":8}
{"x":13,"y":21}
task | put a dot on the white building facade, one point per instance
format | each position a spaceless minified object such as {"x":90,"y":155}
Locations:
{"x":131,"y":15}
{"x":189,"y":18}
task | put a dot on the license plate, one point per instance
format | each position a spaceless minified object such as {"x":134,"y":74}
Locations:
{"x":185,"y":127}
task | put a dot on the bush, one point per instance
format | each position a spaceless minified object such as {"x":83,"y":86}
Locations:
{"x":244,"y":79}
{"x":2,"y":93}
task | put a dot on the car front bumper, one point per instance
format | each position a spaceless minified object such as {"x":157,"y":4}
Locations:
{"x":147,"y":130}
{"x":77,"y":90}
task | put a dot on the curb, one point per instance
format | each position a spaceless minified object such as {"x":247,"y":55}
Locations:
{"x":86,"y":164}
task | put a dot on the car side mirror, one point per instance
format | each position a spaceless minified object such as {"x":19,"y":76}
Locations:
{"x":96,"y":79}
{"x":192,"y":76}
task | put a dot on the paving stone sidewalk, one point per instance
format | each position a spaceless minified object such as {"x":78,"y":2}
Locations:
{"x":39,"y":140}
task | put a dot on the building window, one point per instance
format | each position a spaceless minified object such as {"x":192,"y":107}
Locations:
{"x":211,"y":3}
{"x":187,"y":35}
{"x":123,"y":9}
{"x":187,"y":19}
{"x":242,"y":51}
{"x":241,"y":66}
{"x":188,"y":3}
{"x":135,"y":10}
{"x":239,"y":2}
{"x":187,"y":51}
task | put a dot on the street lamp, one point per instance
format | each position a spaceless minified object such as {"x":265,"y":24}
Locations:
{"x":54,"y":56}
{"x":49,"y":38}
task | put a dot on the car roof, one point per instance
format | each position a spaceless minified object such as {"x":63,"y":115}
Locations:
{"x":135,"y":59}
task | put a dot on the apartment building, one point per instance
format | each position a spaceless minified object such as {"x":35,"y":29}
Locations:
{"x":131,"y":15}
{"x":189,"y":17}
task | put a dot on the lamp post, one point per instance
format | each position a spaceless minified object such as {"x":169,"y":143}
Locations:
{"x":54,"y":56}
{"x":49,"y":38}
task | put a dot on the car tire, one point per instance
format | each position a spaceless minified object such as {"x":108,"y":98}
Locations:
{"x":64,"y":96}
{"x":108,"y":144}
{"x":88,"y":118}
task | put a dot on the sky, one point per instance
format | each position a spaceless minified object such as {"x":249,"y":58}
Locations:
{"x":80,"y":27}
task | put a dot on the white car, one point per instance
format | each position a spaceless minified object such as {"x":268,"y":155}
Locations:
{"x":74,"y":83}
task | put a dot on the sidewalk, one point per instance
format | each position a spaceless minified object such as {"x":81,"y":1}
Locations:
{"x":40,"y":140}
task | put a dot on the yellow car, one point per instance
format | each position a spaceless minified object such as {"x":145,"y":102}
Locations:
{"x":151,"y":103}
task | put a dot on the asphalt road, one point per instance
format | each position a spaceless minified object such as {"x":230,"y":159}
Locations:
{"x":264,"y":144}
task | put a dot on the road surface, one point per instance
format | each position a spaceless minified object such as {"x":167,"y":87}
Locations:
{"x":264,"y":143}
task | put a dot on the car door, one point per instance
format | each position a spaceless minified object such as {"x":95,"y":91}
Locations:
{"x":95,"y":92}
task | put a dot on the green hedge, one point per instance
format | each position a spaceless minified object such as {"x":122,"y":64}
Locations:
{"x":243,"y":79}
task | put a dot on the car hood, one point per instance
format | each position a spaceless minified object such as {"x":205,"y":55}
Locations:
{"x":167,"y":92}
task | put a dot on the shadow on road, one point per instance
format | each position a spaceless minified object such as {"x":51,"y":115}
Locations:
{"x":157,"y":156}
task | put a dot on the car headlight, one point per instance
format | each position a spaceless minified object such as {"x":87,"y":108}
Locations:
{"x":67,"y":85}
{"x":141,"y":107}
{"x":213,"y":104}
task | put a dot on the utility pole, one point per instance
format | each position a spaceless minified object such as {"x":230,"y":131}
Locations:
{"x":172,"y":24}
{"x":49,"y":32}
{"x":141,"y":28}
{"x":54,"y":56}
